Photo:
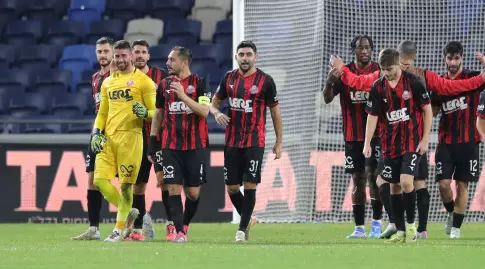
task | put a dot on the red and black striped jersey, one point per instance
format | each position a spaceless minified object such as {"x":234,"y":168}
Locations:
{"x":458,"y":113}
{"x":400,"y":113}
{"x":96,"y":82}
{"x":157,"y":75}
{"x":182,"y":129}
{"x":352,"y":103}
{"x":248,"y":99}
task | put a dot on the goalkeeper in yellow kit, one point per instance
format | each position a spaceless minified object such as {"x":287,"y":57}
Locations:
{"x":127,"y":98}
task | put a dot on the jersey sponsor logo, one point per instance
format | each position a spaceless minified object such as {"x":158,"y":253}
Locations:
{"x":121,"y":94}
{"x":454,"y":105}
{"x":168,"y":172}
{"x":480,"y":107}
{"x":126,"y":170}
{"x":387,"y":172}
{"x":240,"y":104}
{"x":179,"y":107}
{"x":439,"y":168}
{"x":349,"y":163}
{"x":359,"y":97}
{"x":397,"y":116}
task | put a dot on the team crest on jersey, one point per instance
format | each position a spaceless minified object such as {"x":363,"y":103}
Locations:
{"x":406,"y":95}
{"x":130,"y":83}
{"x":190,"y":89}
{"x":254,"y":89}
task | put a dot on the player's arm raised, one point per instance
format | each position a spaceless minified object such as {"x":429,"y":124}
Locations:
{"x":373,"y":108}
{"x":357,"y":82}
{"x":450,"y":87}
{"x":481,"y":116}
{"x":273,"y":104}
{"x":221,"y":94}
{"x":98,"y":140}
{"x":199,"y":107}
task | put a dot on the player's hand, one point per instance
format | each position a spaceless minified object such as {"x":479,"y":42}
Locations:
{"x":367,"y":150}
{"x":422,"y":147}
{"x":480,"y":57}
{"x":277,"y":150}
{"x":97,"y":142}
{"x":334,"y":74}
{"x":177,"y":88}
{"x":152,"y":148}
{"x":336,"y":61}
{"x":139,"y":110}
{"x":221,"y":118}
{"x":112,"y":67}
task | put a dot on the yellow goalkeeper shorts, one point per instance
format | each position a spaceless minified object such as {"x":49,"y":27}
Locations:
{"x":122,"y":155}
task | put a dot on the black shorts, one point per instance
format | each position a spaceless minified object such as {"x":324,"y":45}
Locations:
{"x":422,"y":172}
{"x":355,"y":160}
{"x":458,"y":161}
{"x":184,"y":167}
{"x":90,"y":159}
{"x":242,"y":165}
{"x":145,"y":166}
{"x":406,"y":164}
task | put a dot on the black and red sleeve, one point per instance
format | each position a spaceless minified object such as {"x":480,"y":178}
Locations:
{"x":221,"y":92}
{"x":373,"y":106}
{"x":270,"y":94}
{"x":420,"y":94}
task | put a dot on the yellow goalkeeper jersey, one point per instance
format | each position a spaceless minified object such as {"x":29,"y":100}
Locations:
{"x":118,"y":94}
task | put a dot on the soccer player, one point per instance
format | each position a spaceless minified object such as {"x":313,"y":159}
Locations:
{"x":457,"y":154}
{"x":250,"y":92}
{"x":354,"y":117}
{"x":104,"y":55}
{"x":182,"y":104}
{"x":402,"y":104}
{"x":127,"y":98}
{"x":143,"y":224}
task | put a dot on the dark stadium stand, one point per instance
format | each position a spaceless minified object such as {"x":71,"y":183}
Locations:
{"x":47,"y":52}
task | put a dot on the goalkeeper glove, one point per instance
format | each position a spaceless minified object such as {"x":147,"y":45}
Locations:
{"x":153,"y":147}
{"x":140,"y":110}
{"x":97,"y":141}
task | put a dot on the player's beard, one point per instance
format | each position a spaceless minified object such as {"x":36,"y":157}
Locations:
{"x":453,"y":69}
{"x":245,"y":66}
{"x":122,"y":65}
{"x":140,"y":64}
{"x":103,"y":62}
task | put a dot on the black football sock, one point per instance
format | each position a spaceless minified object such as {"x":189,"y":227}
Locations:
{"x":423,"y":208}
{"x":166,"y":205}
{"x":190,"y":210}
{"x":398,"y":211}
{"x":409,"y":200}
{"x":359,"y":214}
{"x":176,"y":210}
{"x":237,"y":201}
{"x":450,"y":206}
{"x":385,"y":195}
{"x":139,"y":203}
{"x":458,"y":220}
{"x":376,"y":209}
{"x":95,"y":200}
{"x":247,"y":208}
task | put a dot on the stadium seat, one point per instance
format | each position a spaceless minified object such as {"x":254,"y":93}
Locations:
{"x":213,"y":126}
{"x":78,"y":58}
{"x":223,"y":29}
{"x":10,"y":10}
{"x":84,"y":85}
{"x":45,"y":10}
{"x":210,"y":16}
{"x":160,"y":52}
{"x":5,"y":96}
{"x":86,"y":16}
{"x":182,"y":28}
{"x":225,"y":5}
{"x":7,"y":56}
{"x":33,"y":101}
{"x":70,"y":101}
{"x":45,"y":127}
{"x":14,"y":77}
{"x":53,"y":82}
{"x":200,"y":66}
{"x":20,"y":33}
{"x":34,"y":54}
{"x":81,"y":128}
{"x":110,"y":28}
{"x":215,"y":76}
{"x":209,"y":54}
{"x":64,"y":33}
{"x":186,"y":41}
{"x":169,"y":9}
{"x":147,"y":28}
{"x":126,"y":10}
{"x":98,"y":5}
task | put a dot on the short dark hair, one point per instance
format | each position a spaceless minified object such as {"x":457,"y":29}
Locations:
{"x":454,"y":47}
{"x":105,"y":40}
{"x":122,"y":45}
{"x":353,"y":43}
{"x":140,"y":42}
{"x":247,"y":44}
{"x":407,"y":47}
{"x":388,"y":57}
{"x":183,"y":53}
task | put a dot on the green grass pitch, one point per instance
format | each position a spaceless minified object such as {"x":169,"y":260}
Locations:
{"x":272,"y":246}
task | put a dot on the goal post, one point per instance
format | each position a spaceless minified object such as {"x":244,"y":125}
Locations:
{"x":295,"y":39}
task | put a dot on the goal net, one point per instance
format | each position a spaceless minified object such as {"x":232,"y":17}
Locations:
{"x":295,"y":39}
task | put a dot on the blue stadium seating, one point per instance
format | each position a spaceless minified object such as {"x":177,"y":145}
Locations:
{"x":160,"y":52}
{"x":65,"y":33}
{"x":9,"y":11}
{"x":5,"y":95}
{"x":223,"y":29}
{"x":206,"y":54}
{"x":86,"y":16}
{"x":46,"y":128}
{"x":169,"y":9}
{"x":34,"y":54}
{"x":183,"y":40}
{"x":84,"y":84}
{"x":126,"y":10}
{"x":7,"y":56}
{"x":29,"y":101}
{"x":77,"y":102}
{"x":14,"y":77}
{"x":182,"y":28}
{"x":112,"y":28}
{"x":20,"y":33}
{"x":53,"y":82}
{"x":45,"y":10}
{"x":98,"y":5}
{"x":78,"y":58}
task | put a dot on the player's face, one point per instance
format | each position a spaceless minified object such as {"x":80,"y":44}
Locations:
{"x":123,"y":58}
{"x":390,"y":72}
{"x":405,"y":62}
{"x":104,"y":54}
{"x":246,"y":58}
{"x":453,"y":62}
{"x":363,"y":51}
{"x":140,"y":56}
{"x":175,"y":64}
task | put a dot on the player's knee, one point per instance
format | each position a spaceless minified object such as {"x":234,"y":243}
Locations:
{"x":174,"y":189}
{"x":419,"y":184}
{"x":250,"y":185}
{"x":445,"y":185}
{"x":461,"y":187}
{"x":395,"y":189}
{"x":231,"y":189}
{"x":139,"y":189}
